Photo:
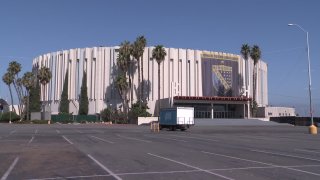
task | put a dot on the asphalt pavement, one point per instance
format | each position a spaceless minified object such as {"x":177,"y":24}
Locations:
{"x":99,"y":151}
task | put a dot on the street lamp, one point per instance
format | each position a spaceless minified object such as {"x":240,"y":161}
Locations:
{"x":312,"y":128}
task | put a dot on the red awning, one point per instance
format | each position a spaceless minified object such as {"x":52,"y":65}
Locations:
{"x":212,"y":98}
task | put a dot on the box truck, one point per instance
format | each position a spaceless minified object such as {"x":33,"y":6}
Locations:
{"x":176,"y":118}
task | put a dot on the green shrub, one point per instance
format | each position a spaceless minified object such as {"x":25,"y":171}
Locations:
{"x":64,"y":103}
{"x":139,"y":109}
{"x":106,"y":114}
{"x":39,"y":121}
{"x":22,"y":122}
{"x":119,"y":117}
{"x":5,"y":117}
{"x":84,"y":102}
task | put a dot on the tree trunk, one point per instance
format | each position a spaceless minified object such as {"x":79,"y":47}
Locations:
{"x":43,"y":106}
{"x":11,"y":102}
{"x":19,"y":96}
{"x":254,"y":87}
{"x":159,"y":89}
{"x":254,"y":83}
{"x":142,"y":80}
{"x":130,"y":84}
{"x":28,"y":106}
{"x":124,"y":101}
{"x":139,"y":80}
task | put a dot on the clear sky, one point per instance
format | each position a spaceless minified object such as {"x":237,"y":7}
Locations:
{"x":29,"y":28}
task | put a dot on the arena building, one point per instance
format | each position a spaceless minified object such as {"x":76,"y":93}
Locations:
{"x":218,"y":85}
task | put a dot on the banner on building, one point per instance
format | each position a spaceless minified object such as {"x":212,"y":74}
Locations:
{"x":220,"y":75}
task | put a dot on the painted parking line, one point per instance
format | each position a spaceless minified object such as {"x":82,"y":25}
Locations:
{"x":169,"y":172}
{"x":97,"y":131}
{"x":104,"y":140}
{"x":36,"y":131}
{"x":268,"y":164}
{"x":304,"y":150}
{"x":242,"y":137}
{"x":242,"y":159}
{"x":217,"y":169}
{"x":198,"y":138}
{"x":58,"y":131}
{"x":30,"y":141}
{"x":104,"y":168}
{"x":72,"y":177}
{"x":9,"y":140}
{"x":172,"y":139}
{"x":12,"y":131}
{"x":5,"y":176}
{"x":136,"y":139}
{"x":79,"y":131}
{"x":190,"y":166}
{"x":286,"y":155}
{"x":67,"y":140}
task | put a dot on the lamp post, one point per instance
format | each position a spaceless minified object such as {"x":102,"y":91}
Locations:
{"x":312,"y":128}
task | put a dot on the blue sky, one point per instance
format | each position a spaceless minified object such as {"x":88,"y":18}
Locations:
{"x":34,"y":27}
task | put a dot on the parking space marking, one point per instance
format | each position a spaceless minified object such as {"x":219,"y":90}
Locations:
{"x":102,"y":139}
{"x":264,"y":167}
{"x":232,"y":157}
{"x":170,"y":172}
{"x":97,"y":131}
{"x":214,"y":140}
{"x":12,"y":131}
{"x":36,"y":131}
{"x":67,"y":140}
{"x":269,"y":164}
{"x":71,"y":177}
{"x":187,"y":165}
{"x":136,"y":139}
{"x":173,"y":139}
{"x":79,"y":131}
{"x":304,"y":150}
{"x":30,"y":141}
{"x":242,"y":137}
{"x":104,"y":168}
{"x":286,"y":155}
{"x":58,"y":131}
{"x":5,"y":176}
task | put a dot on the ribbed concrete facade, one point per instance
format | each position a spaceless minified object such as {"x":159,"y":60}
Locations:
{"x":181,"y":75}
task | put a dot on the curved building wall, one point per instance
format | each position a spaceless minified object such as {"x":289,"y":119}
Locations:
{"x":184,"y":72}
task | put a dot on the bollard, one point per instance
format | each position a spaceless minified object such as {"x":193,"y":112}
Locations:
{"x":154,"y":126}
{"x":313,"y":129}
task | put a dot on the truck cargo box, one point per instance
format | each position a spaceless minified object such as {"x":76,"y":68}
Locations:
{"x":177,"y":118}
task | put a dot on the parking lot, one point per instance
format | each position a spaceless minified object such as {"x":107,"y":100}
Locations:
{"x":98,"y":151}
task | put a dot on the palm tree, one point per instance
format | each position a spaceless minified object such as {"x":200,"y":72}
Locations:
{"x":137,"y":53}
{"x":123,"y":62}
{"x":14,"y":69}
{"x":123,"y":59}
{"x":245,"y":52}
{"x":122,"y":85}
{"x":159,"y":53}
{"x":28,"y":82}
{"x":255,"y":55}
{"x":8,"y":79}
{"x":44,"y":76}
